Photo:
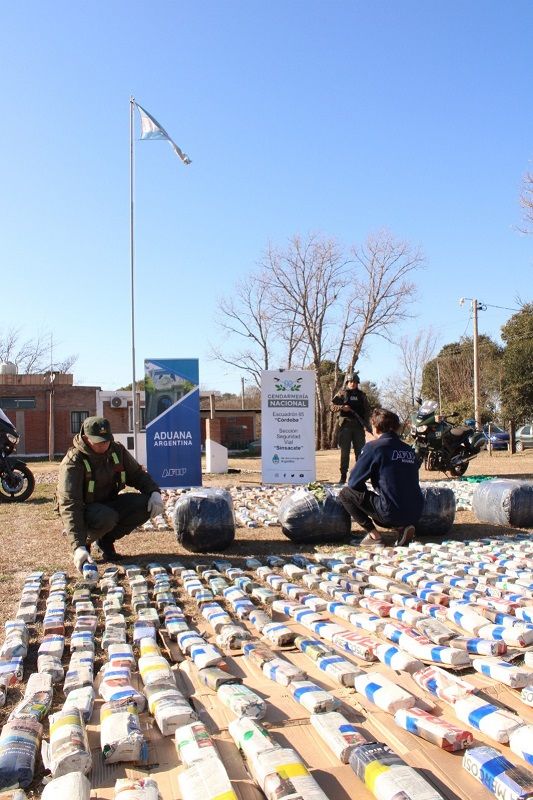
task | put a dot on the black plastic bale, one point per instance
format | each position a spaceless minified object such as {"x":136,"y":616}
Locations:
{"x":204,"y":520}
{"x":438,"y":514}
{"x":305,"y":519}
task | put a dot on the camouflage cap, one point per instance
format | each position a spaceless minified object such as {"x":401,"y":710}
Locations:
{"x":97,"y":429}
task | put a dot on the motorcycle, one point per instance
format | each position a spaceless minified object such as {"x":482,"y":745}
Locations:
{"x":441,"y":445}
{"x":16,"y":478}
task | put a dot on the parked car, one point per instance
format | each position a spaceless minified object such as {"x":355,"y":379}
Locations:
{"x":499,"y":439}
{"x":524,"y":438}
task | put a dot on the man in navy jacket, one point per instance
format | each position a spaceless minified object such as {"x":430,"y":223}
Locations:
{"x":392,"y":469}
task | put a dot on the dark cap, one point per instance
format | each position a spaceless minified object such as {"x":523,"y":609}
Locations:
{"x":97,"y":429}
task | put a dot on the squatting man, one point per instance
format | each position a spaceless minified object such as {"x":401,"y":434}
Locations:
{"x":91,"y":475}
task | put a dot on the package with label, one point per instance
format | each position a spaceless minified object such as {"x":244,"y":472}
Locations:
{"x":434,"y":729}
{"x":257,"y":653}
{"x":116,"y":685}
{"x":186,"y":640}
{"x":155,"y":669}
{"x":443,"y":685}
{"x":383,"y":693}
{"x":193,"y":743}
{"x":282,"y":671}
{"x":494,"y":722}
{"x":281,"y":775}
{"x":337,"y":733}
{"x":121,"y":655}
{"x":136,"y":789}
{"x":520,"y":635}
{"x":313,"y":648}
{"x":83,"y":700}
{"x":362,"y":646}
{"x":205,"y":655}
{"x":278,"y":634}
{"x":258,"y":619}
{"x":436,"y":631}
{"x":72,"y":786}
{"x":121,"y":738}
{"x":169,"y":707}
{"x":501,"y":671}
{"x":312,"y":697}
{"x":250,"y":736}
{"x":76,"y":678}
{"x":232,"y":636}
{"x":526,"y":695}
{"x":199,"y":783}
{"x":68,"y":749}
{"x":387,"y":776}
{"x":37,"y":698}
{"x":53,"y":666}
{"x":339,"y":669}
{"x":397,"y":660}
{"x":19,"y":742}
{"x":242,"y":701}
{"x":482,"y":647}
{"x":16,"y":639}
{"x":213,"y":677}
{"x":497,"y":774}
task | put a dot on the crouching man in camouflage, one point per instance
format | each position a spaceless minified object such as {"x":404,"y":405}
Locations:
{"x":91,"y":477}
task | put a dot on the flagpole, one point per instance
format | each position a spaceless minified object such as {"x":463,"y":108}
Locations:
{"x":132,"y":275}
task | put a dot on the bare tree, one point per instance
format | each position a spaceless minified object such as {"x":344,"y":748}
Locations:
{"x":403,"y":387}
{"x":31,"y":356}
{"x":312,"y":304}
{"x":526,"y":201}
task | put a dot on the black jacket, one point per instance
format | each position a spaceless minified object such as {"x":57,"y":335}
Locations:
{"x":392,"y":468}
{"x":359,"y":407}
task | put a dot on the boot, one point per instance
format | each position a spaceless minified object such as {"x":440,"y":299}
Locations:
{"x":343,"y":478}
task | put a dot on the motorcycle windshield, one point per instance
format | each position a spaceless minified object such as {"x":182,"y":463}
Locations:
{"x":428,"y":407}
{"x":7,"y":422}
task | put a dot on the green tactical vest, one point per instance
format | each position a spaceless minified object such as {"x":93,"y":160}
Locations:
{"x":90,"y":483}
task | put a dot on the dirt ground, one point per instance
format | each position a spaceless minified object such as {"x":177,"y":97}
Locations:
{"x":31,"y":532}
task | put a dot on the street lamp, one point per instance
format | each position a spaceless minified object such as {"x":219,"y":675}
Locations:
{"x":476,"y":306}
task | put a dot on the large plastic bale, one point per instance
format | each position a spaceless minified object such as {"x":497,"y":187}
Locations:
{"x":313,"y":516}
{"x":204,"y":520}
{"x":504,"y":502}
{"x":438,"y":512}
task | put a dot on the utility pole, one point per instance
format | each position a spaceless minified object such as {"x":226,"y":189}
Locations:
{"x":242,"y":392}
{"x":476,"y":306}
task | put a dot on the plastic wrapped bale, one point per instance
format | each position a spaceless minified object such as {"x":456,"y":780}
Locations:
{"x":72,"y":786}
{"x":313,"y":516}
{"x":204,"y":521}
{"x":438,"y":513}
{"x":504,"y":502}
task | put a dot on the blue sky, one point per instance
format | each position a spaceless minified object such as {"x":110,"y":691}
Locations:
{"x":299,"y":116}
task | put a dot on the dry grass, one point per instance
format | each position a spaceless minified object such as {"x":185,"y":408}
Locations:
{"x":31,"y":538}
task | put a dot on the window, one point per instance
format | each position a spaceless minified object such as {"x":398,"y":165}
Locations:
{"x":76,"y":419}
{"x":142,"y":419}
{"x":17,"y":402}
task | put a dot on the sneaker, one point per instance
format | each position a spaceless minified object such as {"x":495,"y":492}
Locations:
{"x":372,"y":539}
{"x":107,"y":553}
{"x":405,"y":535}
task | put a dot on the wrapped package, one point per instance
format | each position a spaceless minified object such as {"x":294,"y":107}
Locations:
{"x":387,"y":776}
{"x":187,"y":639}
{"x":257,"y":653}
{"x":205,"y":655}
{"x":121,"y":738}
{"x":397,"y":660}
{"x":170,"y":709}
{"x":497,"y":774}
{"x":242,"y":701}
{"x":77,"y":678}
{"x":443,"y":684}
{"x":16,"y":639}
{"x":68,"y":750}
{"x":281,"y":775}
{"x":526,"y":695}
{"x":338,"y":669}
{"x":520,"y":635}
{"x":434,"y":630}
{"x":258,"y":619}
{"x":313,"y":648}
{"x":312,"y":697}
{"x":501,"y":671}
{"x":521,"y":742}
{"x":250,"y":736}
{"x":494,"y":722}
{"x":193,"y":743}
{"x":155,"y":669}
{"x":71,"y":786}
{"x":337,"y":733}
{"x":37,"y":698}
{"x":199,"y":783}
{"x":19,"y":742}
{"x":282,"y":671}
{"x":121,"y":655}
{"x":364,"y":647}
{"x":116,"y":685}
{"x":136,"y":789}
{"x":433,"y":729}
{"x":482,"y":647}
{"x":213,"y":677}
{"x":53,"y":666}
{"x":83,"y":700}
{"x":203,"y":520}
{"x":232,"y":636}
{"x":383,"y":693}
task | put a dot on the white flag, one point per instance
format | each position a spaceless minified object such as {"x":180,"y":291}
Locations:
{"x":151,"y":129}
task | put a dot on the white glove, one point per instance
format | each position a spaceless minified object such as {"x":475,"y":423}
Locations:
{"x":81,"y":557}
{"x":155,"y":505}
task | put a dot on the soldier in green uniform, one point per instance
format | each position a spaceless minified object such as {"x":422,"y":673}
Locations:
{"x":354,"y":411}
{"x":91,"y":475}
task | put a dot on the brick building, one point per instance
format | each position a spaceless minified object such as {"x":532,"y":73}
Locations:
{"x":48,"y":413}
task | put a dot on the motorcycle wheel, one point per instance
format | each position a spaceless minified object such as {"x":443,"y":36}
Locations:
{"x":18,"y":486}
{"x":459,"y":470}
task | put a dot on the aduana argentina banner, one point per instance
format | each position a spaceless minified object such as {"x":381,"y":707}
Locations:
{"x":288,"y":426}
{"x":173,"y":444}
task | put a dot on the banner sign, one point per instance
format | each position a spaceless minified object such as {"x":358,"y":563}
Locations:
{"x":288,"y":426}
{"x":173,"y":442}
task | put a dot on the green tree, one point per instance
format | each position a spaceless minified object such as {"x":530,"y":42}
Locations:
{"x":517,"y":333}
{"x":453,"y":367}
